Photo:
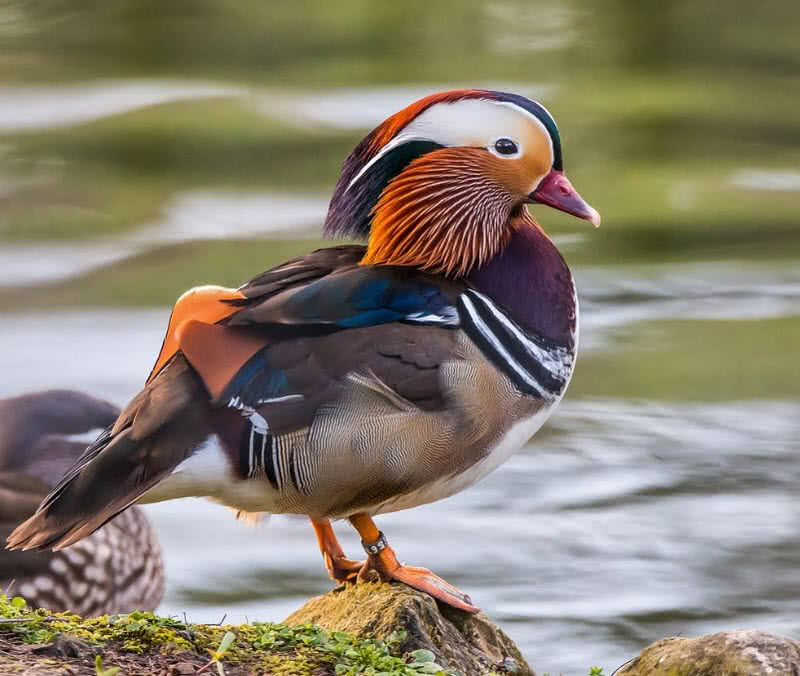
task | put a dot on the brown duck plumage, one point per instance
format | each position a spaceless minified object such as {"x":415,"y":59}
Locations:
{"x":117,"y":569}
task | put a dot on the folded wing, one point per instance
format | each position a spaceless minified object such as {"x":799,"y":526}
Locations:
{"x":279,"y":350}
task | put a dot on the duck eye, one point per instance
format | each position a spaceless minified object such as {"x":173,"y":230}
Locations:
{"x":505,"y":146}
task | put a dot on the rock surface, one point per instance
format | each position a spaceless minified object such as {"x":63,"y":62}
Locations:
{"x":731,"y":653}
{"x":467,"y":644}
{"x":368,"y":628}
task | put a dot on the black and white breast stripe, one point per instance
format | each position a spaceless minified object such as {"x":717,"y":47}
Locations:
{"x":534,"y":364}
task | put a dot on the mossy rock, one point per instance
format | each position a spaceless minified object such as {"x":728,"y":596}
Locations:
{"x":731,"y":653}
{"x":461,"y":642}
{"x":385,"y":630}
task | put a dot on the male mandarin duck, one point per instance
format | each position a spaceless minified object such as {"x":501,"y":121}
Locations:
{"x":117,"y":569}
{"x":356,"y":381}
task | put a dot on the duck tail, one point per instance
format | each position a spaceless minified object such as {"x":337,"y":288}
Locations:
{"x":160,"y":428}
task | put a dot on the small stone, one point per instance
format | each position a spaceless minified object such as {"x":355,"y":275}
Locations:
{"x":510,"y":665}
{"x":62,"y":646}
{"x":183,"y":669}
{"x":734,"y":653}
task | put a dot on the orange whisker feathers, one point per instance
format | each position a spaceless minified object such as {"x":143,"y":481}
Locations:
{"x":444,"y":214}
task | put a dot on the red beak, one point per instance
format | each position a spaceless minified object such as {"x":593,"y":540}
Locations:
{"x":556,"y":191}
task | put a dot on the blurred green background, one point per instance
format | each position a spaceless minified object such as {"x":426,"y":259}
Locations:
{"x":146,"y":147}
{"x":679,"y":122}
{"x":679,"y":118}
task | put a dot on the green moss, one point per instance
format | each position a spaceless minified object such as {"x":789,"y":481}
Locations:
{"x":135,"y":632}
{"x":277,"y":648}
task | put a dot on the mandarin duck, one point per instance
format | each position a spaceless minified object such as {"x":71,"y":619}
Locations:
{"x":118,"y":568}
{"x":360,"y":380}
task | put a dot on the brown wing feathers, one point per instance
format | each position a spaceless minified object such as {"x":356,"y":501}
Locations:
{"x":155,"y":432}
{"x":170,"y":417}
{"x":298,"y":270}
{"x":203,"y":358}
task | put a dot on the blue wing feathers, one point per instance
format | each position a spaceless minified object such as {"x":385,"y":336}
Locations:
{"x":356,"y":301}
{"x":357,"y":297}
{"x":255,"y":381}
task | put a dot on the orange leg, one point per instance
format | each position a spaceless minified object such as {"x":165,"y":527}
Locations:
{"x":381,"y":559}
{"x":340,"y":568}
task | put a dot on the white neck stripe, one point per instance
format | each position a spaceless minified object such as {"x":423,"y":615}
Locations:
{"x":500,"y":348}
{"x":557,"y":367}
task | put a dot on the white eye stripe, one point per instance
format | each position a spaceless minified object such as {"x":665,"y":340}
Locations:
{"x":466,"y":123}
{"x":400,"y":139}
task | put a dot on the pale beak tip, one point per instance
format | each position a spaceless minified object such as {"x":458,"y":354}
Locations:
{"x":594,"y":217}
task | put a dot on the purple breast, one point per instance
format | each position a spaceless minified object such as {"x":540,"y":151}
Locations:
{"x":531,"y":281}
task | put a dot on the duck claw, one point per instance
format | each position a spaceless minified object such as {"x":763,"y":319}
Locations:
{"x":341,"y":569}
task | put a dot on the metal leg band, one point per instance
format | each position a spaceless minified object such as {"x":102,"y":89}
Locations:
{"x":375,"y":547}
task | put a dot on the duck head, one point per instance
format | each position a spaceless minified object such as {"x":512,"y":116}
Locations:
{"x":443,"y":184}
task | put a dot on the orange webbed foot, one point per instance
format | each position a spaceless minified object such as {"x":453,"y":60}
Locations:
{"x":383,"y":561}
